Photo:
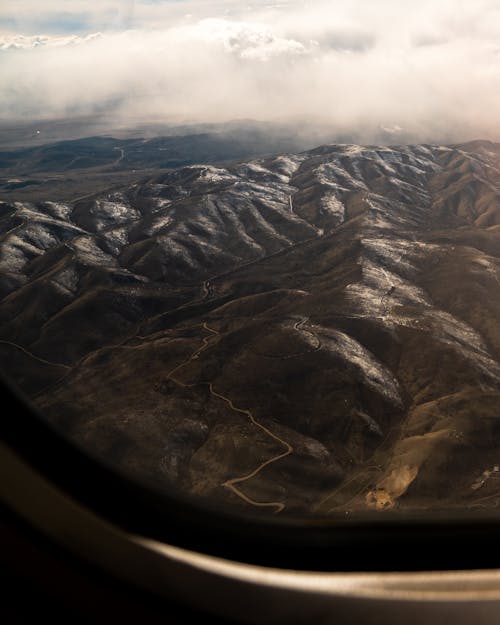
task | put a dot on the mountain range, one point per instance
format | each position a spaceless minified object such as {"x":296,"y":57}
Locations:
{"x":311,"y":333}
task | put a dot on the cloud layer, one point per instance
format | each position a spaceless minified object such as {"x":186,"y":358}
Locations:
{"x":429,"y":71}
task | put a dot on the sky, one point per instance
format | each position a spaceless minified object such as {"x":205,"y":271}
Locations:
{"x":427,"y":69}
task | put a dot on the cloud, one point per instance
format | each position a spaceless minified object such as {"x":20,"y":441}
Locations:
{"x":427,"y":71}
{"x":23,"y":42}
{"x":253,"y":41}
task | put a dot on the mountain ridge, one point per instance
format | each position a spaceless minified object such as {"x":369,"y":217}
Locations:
{"x":343,"y":299}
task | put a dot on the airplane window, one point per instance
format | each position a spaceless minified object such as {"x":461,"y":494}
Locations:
{"x":250,"y":255}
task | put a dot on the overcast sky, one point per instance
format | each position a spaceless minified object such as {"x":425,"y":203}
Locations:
{"x":429,"y":68}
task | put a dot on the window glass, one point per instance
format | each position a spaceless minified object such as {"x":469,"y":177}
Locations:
{"x":251,"y":254}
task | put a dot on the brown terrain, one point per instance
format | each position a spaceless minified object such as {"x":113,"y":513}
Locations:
{"x":308,"y":334}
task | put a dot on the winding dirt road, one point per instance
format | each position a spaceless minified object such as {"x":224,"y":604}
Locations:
{"x":31,"y":355}
{"x":232,"y":483}
{"x":120,"y":158}
{"x":298,"y":326}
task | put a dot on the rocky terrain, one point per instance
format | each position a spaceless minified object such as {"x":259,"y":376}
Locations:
{"x":311,"y":333}
{"x":32,"y":169}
